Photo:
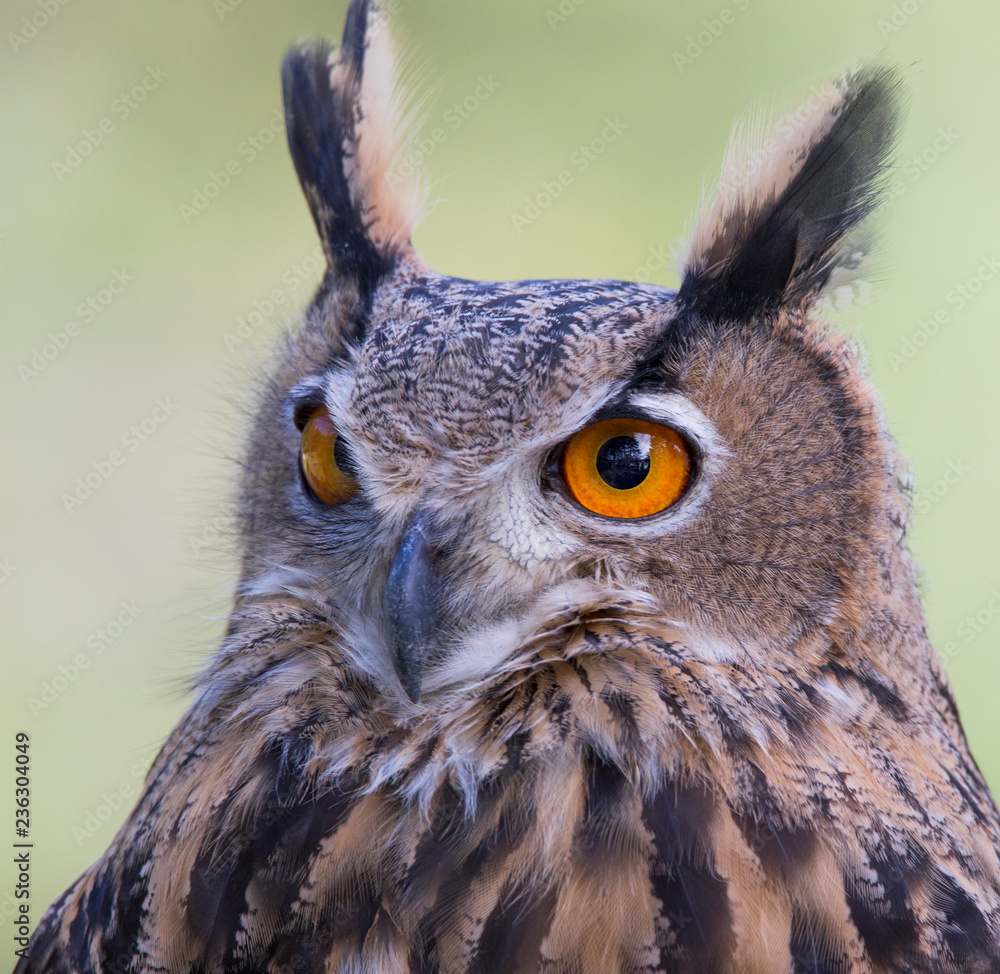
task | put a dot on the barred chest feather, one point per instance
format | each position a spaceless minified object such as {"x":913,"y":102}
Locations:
{"x":600,"y":811}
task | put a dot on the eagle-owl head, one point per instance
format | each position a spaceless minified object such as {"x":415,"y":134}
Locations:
{"x":452,"y":470}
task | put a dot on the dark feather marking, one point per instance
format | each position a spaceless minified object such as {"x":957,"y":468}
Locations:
{"x":606,"y":788}
{"x":559,"y":709}
{"x":500,"y":697}
{"x":784,"y":853}
{"x":780,"y":850}
{"x":622,"y":708}
{"x":47,"y":954}
{"x":788,"y":247}
{"x":808,"y":957}
{"x":272,"y":851}
{"x":423,"y":757}
{"x":882,"y":914}
{"x":670,"y":701}
{"x":77,"y":948}
{"x":445,"y":861}
{"x":438,"y":849}
{"x":657,"y":372}
{"x":514,"y":932}
{"x":320,"y":122}
{"x":745,"y":749}
{"x":293,"y":752}
{"x":122,"y":938}
{"x":364,"y":909}
{"x":277,"y":882}
{"x":693,"y":896}
{"x":112,"y":911}
{"x":445,"y":858}
{"x":307,"y":949}
{"x":517,"y":745}
{"x":796,"y":713}
{"x":424,"y":960}
{"x":298,"y":953}
{"x":581,"y":672}
{"x":884,"y":696}
{"x":974,"y":806}
{"x":965,"y":930}
{"x":851,"y":423}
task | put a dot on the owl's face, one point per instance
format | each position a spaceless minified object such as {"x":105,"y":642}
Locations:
{"x":450,"y":420}
{"x":451,"y":471}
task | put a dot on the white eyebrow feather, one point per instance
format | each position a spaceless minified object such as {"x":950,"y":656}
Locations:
{"x":680,"y":413}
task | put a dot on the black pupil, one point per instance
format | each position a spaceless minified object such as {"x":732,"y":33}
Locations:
{"x":623,"y":462}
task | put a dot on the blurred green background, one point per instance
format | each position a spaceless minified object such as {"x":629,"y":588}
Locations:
{"x":112,"y":602}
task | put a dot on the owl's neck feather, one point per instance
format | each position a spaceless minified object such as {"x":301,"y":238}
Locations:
{"x":614,"y":768}
{"x":649,"y":703}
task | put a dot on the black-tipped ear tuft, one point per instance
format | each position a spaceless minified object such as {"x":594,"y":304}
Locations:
{"x":342,"y":114}
{"x":786,"y":205}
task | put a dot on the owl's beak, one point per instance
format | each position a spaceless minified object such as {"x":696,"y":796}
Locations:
{"x":409,"y":605}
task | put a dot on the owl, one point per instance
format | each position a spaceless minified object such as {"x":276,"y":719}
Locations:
{"x":576,"y":630}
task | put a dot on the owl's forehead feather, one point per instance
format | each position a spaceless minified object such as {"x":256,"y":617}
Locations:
{"x":511,"y":318}
{"x":476,"y":339}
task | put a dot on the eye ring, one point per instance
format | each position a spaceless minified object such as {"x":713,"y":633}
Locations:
{"x":626,"y":468}
{"x":323,"y":461}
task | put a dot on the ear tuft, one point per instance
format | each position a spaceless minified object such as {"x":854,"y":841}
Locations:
{"x":781,"y":220}
{"x":347,"y":123}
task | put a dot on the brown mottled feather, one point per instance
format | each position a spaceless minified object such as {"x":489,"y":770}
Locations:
{"x":752,"y":847}
{"x":716,"y":742}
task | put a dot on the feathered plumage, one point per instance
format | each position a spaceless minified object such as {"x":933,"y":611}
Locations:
{"x":460,"y":723}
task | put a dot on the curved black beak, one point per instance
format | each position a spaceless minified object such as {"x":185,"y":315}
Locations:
{"x":409,"y":605}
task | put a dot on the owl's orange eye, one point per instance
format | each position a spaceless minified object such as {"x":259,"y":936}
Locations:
{"x":626,"y":468}
{"x":325,"y":463}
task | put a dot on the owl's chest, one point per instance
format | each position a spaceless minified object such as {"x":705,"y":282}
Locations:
{"x":602,"y":814}
{"x":557,"y":861}
{"x":504,"y":834}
